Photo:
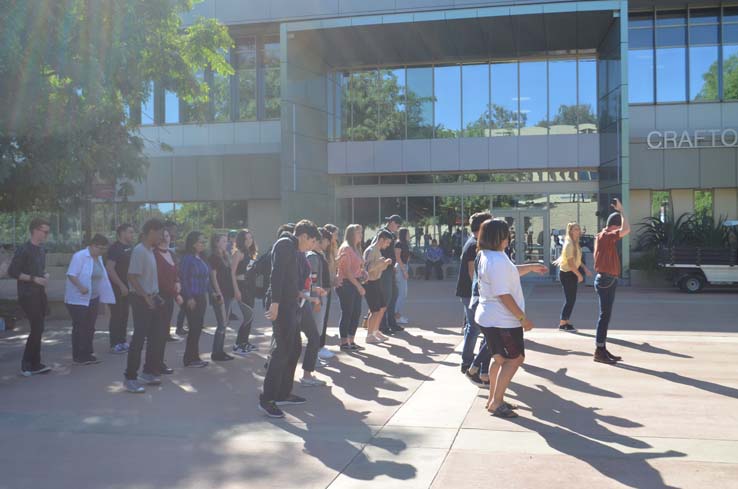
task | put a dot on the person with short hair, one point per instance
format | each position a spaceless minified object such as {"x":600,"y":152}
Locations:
{"x":116,"y":264}
{"x":28,"y":267}
{"x":321,"y":279}
{"x":571,"y":269}
{"x":607,"y":267}
{"x":194,"y":275}
{"x":283,"y":304}
{"x":375,"y":265}
{"x":349,"y":275}
{"x":331,"y":255}
{"x":501,"y":310}
{"x":86,"y":287}
{"x":434,"y":261}
{"x":145,"y":304}
{"x":389,"y":325}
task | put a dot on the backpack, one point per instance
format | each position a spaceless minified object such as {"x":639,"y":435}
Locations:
{"x":258,"y":273}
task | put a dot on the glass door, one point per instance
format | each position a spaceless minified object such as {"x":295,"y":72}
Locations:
{"x":529,"y":242}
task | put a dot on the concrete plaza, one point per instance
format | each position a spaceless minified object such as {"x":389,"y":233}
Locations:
{"x":398,"y":414}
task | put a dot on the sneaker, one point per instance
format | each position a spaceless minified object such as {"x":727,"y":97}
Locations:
{"x":397,"y":328}
{"x":321,"y":363}
{"x":181,"y":332}
{"x":475,"y":379}
{"x":251,"y":347}
{"x":91,"y":360}
{"x":150,"y":379}
{"x":196,"y":364}
{"x":464,"y":368}
{"x":346,"y":347}
{"x":270,"y":409}
{"x":568,"y":328}
{"x":171,"y":338}
{"x":133,"y":386}
{"x":292,"y":400}
{"x":355,"y":347}
{"x":165,"y":370}
{"x":40,"y":369}
{"x":119,"y":349}
{"x":387,"y":331}
{"x":600,"y":356}
{"x":312,"y":382}
{"x":224,"y":357}
{"x":325,"y":353}
{"x":241,"y":350}
{"x":402,"y":320}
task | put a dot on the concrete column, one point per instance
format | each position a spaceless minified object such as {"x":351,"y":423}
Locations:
{"x":264,"y":218}
{"x":640,"y":208}
{"x":682,"y":201}
{"x":725,"y":202}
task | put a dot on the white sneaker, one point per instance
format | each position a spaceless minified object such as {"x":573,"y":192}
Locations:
{"x":325,"y":353}
{"x":402,"y":320}
{"x":312,"y":382}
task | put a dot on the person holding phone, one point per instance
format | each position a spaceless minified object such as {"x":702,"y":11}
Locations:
{"x":571,"y":273}
{"x":194,"y":275}
{"x":223,"y":294}
{"x":607,"y":267}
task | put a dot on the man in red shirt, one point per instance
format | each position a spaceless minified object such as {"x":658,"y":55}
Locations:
{"x":607,"y":266}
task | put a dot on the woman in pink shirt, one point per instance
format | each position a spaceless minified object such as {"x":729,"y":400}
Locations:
{"x":350,"y":272}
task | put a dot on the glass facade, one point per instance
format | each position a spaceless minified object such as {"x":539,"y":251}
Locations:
{"x":537,"y":97}
{"x":246,"y":73}
{"x":683,"y":55}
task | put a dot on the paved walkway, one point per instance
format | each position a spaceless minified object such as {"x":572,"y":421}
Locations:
{"x":399,"y":414}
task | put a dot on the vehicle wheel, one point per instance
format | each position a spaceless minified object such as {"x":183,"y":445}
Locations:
{"x":692,"y":284}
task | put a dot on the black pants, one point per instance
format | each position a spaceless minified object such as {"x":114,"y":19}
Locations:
{"x":389,"y":289}
{"x":436,"y":266}
{"x":195,"y":318}
{"x":145,"y":320}
{"x":310,"y":330}
{"x":83,"y":329}
{"x":350,"y":309}
{"x":118,"y":325}
{"x":606,"y":286}
{"x":181,"y":315}
{"x":327,"y":306}
{"x":569,"y":282}
{"x":160,"y":334}
{"x":244,"y":332}
{"x":34,"y":306}
{"x":280,"y":375}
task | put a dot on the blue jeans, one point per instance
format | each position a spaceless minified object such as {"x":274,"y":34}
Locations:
{"x":605,"y":285}
{"x":401,"y":290}
{"x":471,"y":333}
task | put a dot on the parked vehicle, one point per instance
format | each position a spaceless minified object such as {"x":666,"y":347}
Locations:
{"x":694,"y":268}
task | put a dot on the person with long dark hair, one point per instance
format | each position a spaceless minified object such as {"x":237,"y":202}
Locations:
{"x":331,"y":254}
{"x":375,"y":265}
{"x":194,"y":275}
{"x":222,"y":295}
{"x":571,"y":268}
{"x":243,"y":257}
{"x":320,"y":276}
{"x":348,"y":287}
{"x":169,"y":290}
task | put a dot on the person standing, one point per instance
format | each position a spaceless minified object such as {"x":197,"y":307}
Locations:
{"x":116,"y":264}
{"x":145,"y":305}
{"x":223,"y":294}
{"x":375,"y":265}
{"x":607,"y":267}
{"x":194,"y":275}
{"x":244,"y":287}
{"x":501,"y":310}
{"x":320,"y":276}
{"x":86,"y":287}
{"x":169,"y":289}
{"x":389,"y":325}
{"x":570,"y":273}
{"x":434,"y":261}
{"x":350,"y":271}
{"x":310,"y":295}
{"x":282,"y":300}
{"x":464,"y":289}
{"x":331,"y":252}
{"x":402,"y":260}
{"x":28,"y":267}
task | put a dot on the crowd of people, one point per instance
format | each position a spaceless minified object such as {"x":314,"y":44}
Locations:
{"x":297,"y":280}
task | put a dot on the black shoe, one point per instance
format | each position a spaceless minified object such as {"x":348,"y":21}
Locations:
{"x":387,"y":331}
{"x":600,"y":356}
{"x":165,"y":370}
{"x":613,"y":357}
{"x":27,"y":371}
{"x":397,"y":328}
{"x":196,"y":364}
{"x":356,"y":347}
{"x":291,"y":400}
{"x":224,"y":357}
{"x":475,"y":379}
{"x":171,"y":338}
{"x":464,"y":368}
{"x":568,"y":328}
{"x":181,"y":332}
{"x":346,"y":347}
{"x":270,"y":409}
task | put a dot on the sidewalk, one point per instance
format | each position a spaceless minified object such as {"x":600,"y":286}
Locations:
{"x":399,"y":414}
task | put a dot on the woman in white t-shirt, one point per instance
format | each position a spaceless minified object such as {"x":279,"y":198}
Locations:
{"x":501,"y":310}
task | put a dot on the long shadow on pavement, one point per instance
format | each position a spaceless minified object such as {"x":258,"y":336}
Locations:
{"x":704,"y":385}
{"x":644,"y":347}
{"x":562,"y":379}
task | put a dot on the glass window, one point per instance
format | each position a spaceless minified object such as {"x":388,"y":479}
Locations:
{"x":161,"y":210}
{"x":703,"y":54}
{"x":587,"y":109}
{"x":103,"y":219}
{"x":447,"y":84}
{"x":504,"y":118}
{"x":533,"y":98}
{"x":246,"y":72}
{"x":476,"y":177}
{"x":588,"y":217}
{"x":344,"y":88}
{"x":419,"y":94}
{"x":392,"y":180}
{"x":419,"y":178}
{"x":366,"y":213}
{"x":211,"y":217}
{"x":390,"y":206}
{"x":671,"y":57}
{"x":191,"y":112}
{"x":220,"y":95}
{"x":449,"y":218}
{"x":640,"y":58}
{"x":171,"y":108}
{"x":147,"y":107}
{"x":421,"y":222}
{"x":660,"y":204}
{"x":562,"y":87}
{"x":366,"y":180}
{"x":703,"y":203}
{"x":475,"y":104}
{"x":236,"y":214}
{"x":392,"y":103}
{"x":270,"y":59}
{"x":730,"y":54}
{"x":187,"y":216}
{"x":364,"y":106}
{"x":344,"y":215}
{"x":730,"y":14}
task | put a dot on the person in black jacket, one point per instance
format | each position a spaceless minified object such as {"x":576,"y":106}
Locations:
{"x":283,"y":303}
{"x":28,"y":267}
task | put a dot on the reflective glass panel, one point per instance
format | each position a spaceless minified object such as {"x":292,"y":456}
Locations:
{"x":671,"y":70}
{"x":271,"y":68}
{"x":475,"y":92}
{"x":236,"y":214}
{"x":704,"y":16}
{"x":640,"y":76}
{"x":171,"y":108}
{"x":389,"y":206}
{"x":730,"y":72}
{"x":366,"y":213}
{"x":450,"y":217}
{"x":345,"y":106}
{"x":392,"y":103}
{"x":504,"y":120}
{"x":220,"y":94}
{"x":246,"y":69}
{"x":420,"y":222}
{"x":562,"y":87}
{"x":587,"y":110}
{"x":703,"y":203}
{"x":364,"y":105}
{"x":419,"y":94}
{"x":703,"y":73}
{"x":671,"y":17}
{"x":533,"y":98}
{"x":447,"y":84}
{"x":147,"y":108}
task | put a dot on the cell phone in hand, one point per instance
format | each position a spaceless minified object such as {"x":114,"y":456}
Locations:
{"x":614,"y":202}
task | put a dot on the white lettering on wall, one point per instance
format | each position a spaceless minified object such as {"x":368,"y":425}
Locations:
{"x":699,"y":138}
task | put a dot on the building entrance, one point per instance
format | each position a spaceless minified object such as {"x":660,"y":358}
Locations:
{"x":529,"y":242}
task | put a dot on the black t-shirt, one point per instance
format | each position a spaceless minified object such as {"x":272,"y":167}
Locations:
{"x":464,"y":282}
{"x":389,"y":252}
{"x":223,"y":274}
{"x":404,"y":251}
{"x":121,"y":254}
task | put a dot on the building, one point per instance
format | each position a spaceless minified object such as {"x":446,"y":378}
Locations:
{"x":347,"y":111}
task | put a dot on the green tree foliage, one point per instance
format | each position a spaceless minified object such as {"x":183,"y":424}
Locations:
{"x":497,"y":117}
{"x":730,"y":80}
{"x":69,"y":71}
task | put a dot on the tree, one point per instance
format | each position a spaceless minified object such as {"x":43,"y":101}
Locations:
{"x":709,"y":90}
{"x":497,"y":117}
{"x":73,"y":74}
